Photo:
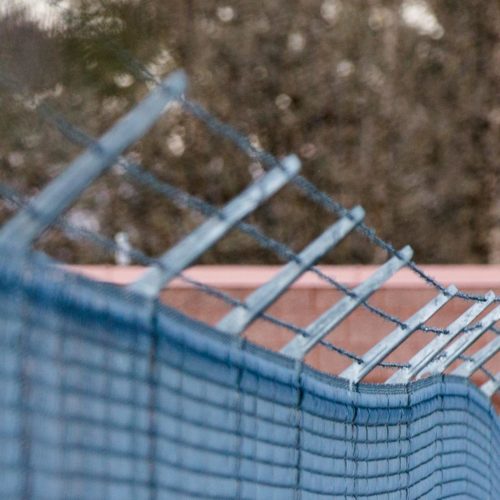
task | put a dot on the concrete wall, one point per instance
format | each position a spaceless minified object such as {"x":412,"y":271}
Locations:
{"x":403,"y":295}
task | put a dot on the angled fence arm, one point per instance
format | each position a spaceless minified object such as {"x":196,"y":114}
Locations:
{"x":491,"y":386}
{"x":468,"y":367}
{"x":357,"y":371}
{"x":300,"y":346}
{"x":213,"y":229}
{"x":452,"y":352}
{"x":425,"y":355}
{"x":241,"y":316}
{"x":63,"y":191}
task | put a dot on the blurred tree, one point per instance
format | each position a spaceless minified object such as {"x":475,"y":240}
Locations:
{"x":393,"y":104}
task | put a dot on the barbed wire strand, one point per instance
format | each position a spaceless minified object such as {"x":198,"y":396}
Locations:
{"x":242,"y":142}
{"x":140,"y":70}
{"x":177,"y":195}
{"x":138,"y":256}
{"x":180,"y":197}
{"x":111,"y":246}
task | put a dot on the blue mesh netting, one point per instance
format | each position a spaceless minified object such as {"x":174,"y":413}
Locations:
{"x":105,"y":395}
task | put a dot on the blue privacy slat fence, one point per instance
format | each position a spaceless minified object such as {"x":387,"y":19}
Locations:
{"x":101,"y":399}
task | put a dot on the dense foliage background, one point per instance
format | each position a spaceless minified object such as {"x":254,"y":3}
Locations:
{"x":391,"y":104}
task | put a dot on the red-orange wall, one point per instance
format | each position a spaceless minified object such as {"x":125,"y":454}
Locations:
{"x":309,"y":297}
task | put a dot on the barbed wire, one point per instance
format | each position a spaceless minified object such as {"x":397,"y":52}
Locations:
{"x":180,"y":197}
{"x":488,"y":373}
{"x":307,"y":187}
{"x":108,"y":244}
{"x":141,"y":71}
{"x":111,"y":246}
{"x":186,"y":200}
{"x":78,"y":136}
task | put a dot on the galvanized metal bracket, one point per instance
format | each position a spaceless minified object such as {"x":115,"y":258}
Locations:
{"x":63,"y":191}
{"x":235,"y":322}
{"x":491,"y":386}
{"x":300,"y":345}
{"x":175,"y":260}
{"x":468,"y":367}
{"x":451,"y":353}
{"x":357,"y":371}
{"x":428,"y":353}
